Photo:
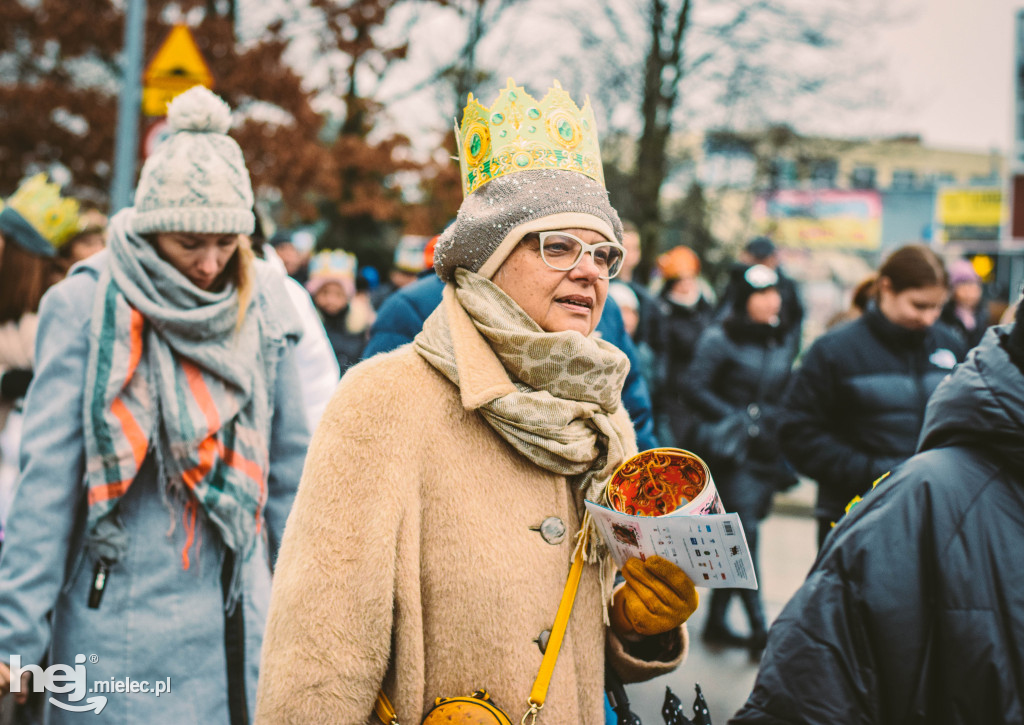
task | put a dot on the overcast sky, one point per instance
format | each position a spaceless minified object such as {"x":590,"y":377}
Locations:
{"x":952,"y":64}
{"x":948,"y":72}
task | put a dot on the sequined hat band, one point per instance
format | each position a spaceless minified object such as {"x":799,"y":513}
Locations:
{"x":497,"y":215}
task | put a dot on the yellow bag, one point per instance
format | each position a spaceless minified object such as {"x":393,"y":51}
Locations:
{"x":477,"y":709}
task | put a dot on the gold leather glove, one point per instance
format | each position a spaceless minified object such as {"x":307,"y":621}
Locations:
{"x":656,"y":597}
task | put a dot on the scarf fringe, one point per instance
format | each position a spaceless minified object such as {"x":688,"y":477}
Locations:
{"x":594,"y":551}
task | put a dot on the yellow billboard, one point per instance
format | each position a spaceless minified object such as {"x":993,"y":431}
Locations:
{"x":969,"y":213}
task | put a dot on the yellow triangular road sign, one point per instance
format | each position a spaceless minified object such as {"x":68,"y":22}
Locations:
{"x":177,"y":66}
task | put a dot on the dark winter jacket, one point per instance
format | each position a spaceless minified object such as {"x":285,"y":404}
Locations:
{"x":401,"y":318}
{"x":855,"y":407}
{"x":348,"y":346}
{"x":914,"y":610}
{"x":741,"y":369}
{"x":971,"y":337}
{"x":681,"y":328}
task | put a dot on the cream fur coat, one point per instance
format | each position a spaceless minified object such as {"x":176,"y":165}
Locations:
{"x":409,"y":562}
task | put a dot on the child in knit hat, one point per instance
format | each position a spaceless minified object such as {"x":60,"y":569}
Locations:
{"x":154,"y":487}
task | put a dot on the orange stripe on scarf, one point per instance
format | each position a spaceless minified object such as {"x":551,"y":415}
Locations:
{"x":131,"y":428}
{"x":191,"y":512}
{"x":108,"y":491}
{"x":207,"y":458}
{"x":132,"y":431}
{"x":202,"y":394}
{"x":207,"y":449}
{"x":249,"y":468}
{"x":136,"y":325}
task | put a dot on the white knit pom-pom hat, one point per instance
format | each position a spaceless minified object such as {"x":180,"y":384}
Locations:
{"x":196,"y":180}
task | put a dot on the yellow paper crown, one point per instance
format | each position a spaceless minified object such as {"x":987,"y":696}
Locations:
{"x":42,"y":206}
{"x":333,"y":263}
{"x":519,"y":134}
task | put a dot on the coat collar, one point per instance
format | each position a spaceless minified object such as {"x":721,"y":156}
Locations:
{"x":482,"y":377}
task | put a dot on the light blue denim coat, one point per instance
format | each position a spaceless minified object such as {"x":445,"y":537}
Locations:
{"x":156,"y":621}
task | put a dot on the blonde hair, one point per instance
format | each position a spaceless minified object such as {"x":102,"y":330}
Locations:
{"x":244,"y":274}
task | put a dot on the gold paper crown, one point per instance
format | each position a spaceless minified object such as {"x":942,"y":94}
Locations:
{"x":519,"y":134}
{"x":333,"y":263}
{"x":42,"y":206}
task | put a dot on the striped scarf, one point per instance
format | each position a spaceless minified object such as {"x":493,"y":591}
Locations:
{"x":169,"y":373}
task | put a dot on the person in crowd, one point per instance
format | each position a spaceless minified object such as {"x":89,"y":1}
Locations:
{"x":35,"y":221}
{"x":346,"y":315}
{"x":762,"y":250}
{"x":629,"y":305}
{"x":734,"y":386}
{"x":82,"y":245}
{"x":441,"y":572}
{"x":687,"y":313}
{"x":314,"y":357}
{"x":855,"y":406}
{"x":649,"y":326}
{"x":294,"y":247}
{"x":162,"y":448}
{"x":912,"y":610}
{"x":413,"y":257}
{"x":965,"y":312}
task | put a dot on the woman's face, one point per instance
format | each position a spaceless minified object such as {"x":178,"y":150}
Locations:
{"x":763,"y":306}
{"x":915,"y":308}
{"x":85,"y":246}
{"x":685,"y":289}
{"x":331,"y":298}
{"x":967,"y":294}
{"x":557,"y":301}
{"x":200,"y":257}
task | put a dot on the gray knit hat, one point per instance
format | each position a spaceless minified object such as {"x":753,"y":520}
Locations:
{"x":196,"y":181}
{"x":493,"y":219}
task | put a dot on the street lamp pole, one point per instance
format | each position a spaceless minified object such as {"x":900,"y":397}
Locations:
{"x":127,"y":142}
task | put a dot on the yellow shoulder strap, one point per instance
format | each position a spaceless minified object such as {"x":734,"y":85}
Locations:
{"x":386,"y":712}
{"x":547,"y":665}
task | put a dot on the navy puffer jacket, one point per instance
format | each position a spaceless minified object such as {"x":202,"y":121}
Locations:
{"x":914,"y":610}
{"x":742,"y":368}
{"x":856,"y":405}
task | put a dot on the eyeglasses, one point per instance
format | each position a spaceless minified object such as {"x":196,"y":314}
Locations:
{"x":563,"y":251}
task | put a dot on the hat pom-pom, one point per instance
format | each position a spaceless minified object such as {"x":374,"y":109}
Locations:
{"x":199,"y":110}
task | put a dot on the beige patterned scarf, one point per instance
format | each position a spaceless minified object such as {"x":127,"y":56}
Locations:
{"x":552,"y":396}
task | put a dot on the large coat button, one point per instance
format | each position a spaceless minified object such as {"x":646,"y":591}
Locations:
{"x":542,"y":640}
{"x":552,"y":529}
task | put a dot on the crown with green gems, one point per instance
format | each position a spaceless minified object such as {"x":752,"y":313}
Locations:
{"x":519,"y":134}
{"x":54,"y":217}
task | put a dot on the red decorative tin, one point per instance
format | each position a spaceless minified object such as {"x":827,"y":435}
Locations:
{"x":659,"y":481}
